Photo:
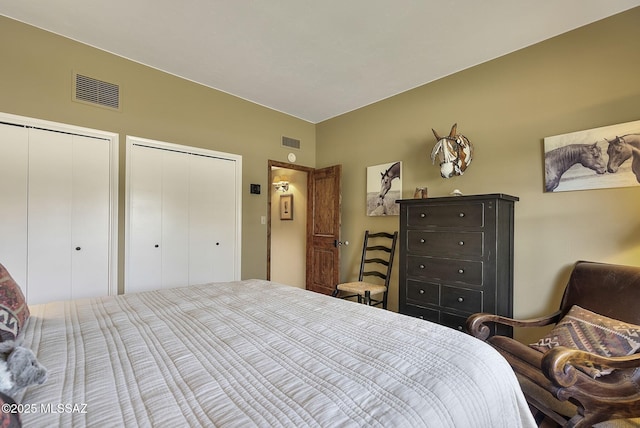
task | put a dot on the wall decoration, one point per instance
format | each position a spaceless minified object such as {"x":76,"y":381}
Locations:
{"x":455,"y":153}
{"x":384,"y":186}
{"x":286,"y":207}
{"x":593,"y":159}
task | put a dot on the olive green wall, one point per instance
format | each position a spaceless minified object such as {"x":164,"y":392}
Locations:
{"x":36,"y":81}
{"x":583,"y":79}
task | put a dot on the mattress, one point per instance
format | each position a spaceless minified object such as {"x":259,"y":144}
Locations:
{"x":258,"y":353}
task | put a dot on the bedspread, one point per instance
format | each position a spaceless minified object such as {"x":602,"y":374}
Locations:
{"x":257,"y":353}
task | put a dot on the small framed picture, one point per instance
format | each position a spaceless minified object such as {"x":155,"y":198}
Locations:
{"x":286,"y":207}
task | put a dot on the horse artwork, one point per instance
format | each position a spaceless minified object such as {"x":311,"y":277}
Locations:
{"x":454,"y":151}
{"x":594,"y":158}
{"x":384,"y":186}
{"x":558,"y":161}
{"x":622,"y":148}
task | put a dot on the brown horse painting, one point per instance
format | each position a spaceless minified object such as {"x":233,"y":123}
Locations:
{"x":622,"y":148}
{"x":558,"y":161}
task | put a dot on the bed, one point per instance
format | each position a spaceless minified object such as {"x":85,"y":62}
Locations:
{"x":258,"y":353}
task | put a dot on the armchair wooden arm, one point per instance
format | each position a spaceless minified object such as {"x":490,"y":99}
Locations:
{"x":559,"y":364}
{"x":476,"y":324}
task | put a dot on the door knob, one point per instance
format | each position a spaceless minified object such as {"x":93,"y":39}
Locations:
{"x":339,"y":243}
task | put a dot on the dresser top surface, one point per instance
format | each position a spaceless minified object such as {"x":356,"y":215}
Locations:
{"x":464,"y":198}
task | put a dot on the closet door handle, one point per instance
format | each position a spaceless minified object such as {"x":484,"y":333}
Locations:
{"x":78,"y":248}
{"x":156,"y":246}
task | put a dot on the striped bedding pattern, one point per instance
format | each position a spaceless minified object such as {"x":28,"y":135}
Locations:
{"x":257,"y":353}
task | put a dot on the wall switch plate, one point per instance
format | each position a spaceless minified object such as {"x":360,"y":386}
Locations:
{"x":255,"y":189}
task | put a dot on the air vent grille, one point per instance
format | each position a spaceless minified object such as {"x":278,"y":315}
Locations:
{"x":290,"y":142}
{"x":94,"y":91}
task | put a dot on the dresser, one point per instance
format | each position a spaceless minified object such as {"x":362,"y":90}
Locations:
{"x":456,"y":257}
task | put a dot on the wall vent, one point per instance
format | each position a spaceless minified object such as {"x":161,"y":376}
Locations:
{"x":290,"y":142}
{"x":96,"y":92}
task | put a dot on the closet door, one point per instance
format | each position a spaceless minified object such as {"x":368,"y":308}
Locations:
{"x":159,"y":238}
{"x":14,"y":152}
{"x":90,"y":219}
{"x":58,"y":216}
{"x":212,"y":220}
{"x":183,"y":217}
{"x":68,"y":219}
{"x":145,"y":222}
{"x":175,"y":219}
{"x":49,"y":221}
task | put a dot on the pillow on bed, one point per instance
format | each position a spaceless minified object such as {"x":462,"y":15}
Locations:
{"x":591,"y":332}
{"x":13,"y":307}
{"x":9,"y":417}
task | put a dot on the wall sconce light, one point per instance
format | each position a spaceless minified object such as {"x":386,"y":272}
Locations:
{"x":281,"y":183}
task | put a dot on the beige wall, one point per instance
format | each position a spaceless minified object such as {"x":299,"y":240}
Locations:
{"x":583,"y":79}
{"x":36,"y":76}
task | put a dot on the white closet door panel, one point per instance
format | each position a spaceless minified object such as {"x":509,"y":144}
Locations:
{"x":49,"y":220}
{"x":14,"y":152}
{"x":90,"y":217}
{"x":175,"y":219}
{"x":145,"y":223}
{"x":212,"y":219}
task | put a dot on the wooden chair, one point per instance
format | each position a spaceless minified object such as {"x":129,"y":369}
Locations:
{"x":376,"y":261}
{"x":557,"y":390}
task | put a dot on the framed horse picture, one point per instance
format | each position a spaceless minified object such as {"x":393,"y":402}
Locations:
{"x":384,"y":187}
{"x":593,"y":159}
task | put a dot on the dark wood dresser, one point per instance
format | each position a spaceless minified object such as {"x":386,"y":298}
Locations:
{"x":456,"y":257}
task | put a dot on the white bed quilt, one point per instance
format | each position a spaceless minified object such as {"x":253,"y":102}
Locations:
{"x":257,"y":353}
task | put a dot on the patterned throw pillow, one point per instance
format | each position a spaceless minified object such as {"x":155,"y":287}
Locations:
{"x":13,"y":307}
{"x":588,"y":331}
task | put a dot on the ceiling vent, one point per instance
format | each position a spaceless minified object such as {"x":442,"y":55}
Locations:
{"x":290,"y":142}
{"x":96,"y":92}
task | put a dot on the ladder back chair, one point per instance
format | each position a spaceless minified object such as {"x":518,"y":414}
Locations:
{"x":378,"y":251}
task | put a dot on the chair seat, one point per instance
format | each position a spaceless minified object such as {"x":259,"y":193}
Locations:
{"x":359,"y":287}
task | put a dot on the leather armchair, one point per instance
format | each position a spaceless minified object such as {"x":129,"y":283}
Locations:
{"x":556,"y":390}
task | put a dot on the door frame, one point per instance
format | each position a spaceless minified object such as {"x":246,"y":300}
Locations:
{"x":276,"y":164}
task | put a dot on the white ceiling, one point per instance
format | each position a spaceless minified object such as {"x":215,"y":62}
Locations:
{"x":312,"y":59}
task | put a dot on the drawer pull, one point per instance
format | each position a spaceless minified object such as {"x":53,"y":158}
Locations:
{"x":422,"y":241}
{"x":460,"y":299}
{"x":421,"y":291}
{"x":423,"y":215}
{"x":461,"y":271}
{"x":460,"y":327}
{"x":421,"y":317}
{"x":461,"y":215}
{"x":461,"y":243}
{"x":422,"y":266}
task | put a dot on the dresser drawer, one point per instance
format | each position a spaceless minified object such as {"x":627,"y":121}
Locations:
{"x":422,"y":313}
{"x":461,"y":299}
{"x":436,"y":243}
{"x":423,"y":293}
{"x":454,"y":321}
{"x":449,"y":215}
{"x":467,"y":271}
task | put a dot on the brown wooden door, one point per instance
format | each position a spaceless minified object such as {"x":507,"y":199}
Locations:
{"x":323,"y":229}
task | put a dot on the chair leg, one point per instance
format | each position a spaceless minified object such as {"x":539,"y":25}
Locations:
{"x":335,"y":293}
{"x":367,"y":298}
